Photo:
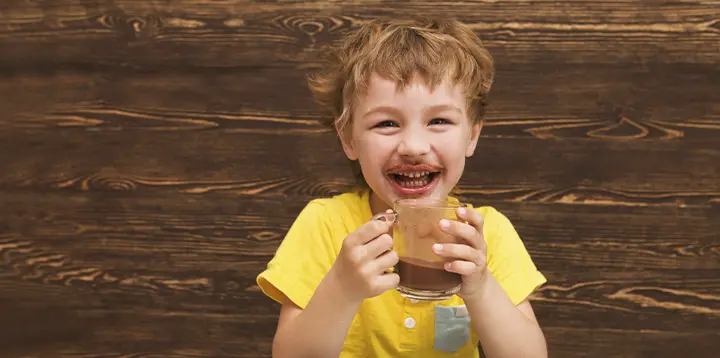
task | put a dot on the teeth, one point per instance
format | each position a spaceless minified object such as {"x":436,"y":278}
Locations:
{"x":414,"y":183}
{"x":415,"y":174}
{"x":414,"y":179}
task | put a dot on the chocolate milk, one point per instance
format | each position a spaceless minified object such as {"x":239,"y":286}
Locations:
{"x":425,"y":275}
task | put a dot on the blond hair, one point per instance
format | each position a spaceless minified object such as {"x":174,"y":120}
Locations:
{"x":397,"y":50}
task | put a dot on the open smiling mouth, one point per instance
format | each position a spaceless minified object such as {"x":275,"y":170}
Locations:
{"x":417,"y":183}
{"x":414,"y":180}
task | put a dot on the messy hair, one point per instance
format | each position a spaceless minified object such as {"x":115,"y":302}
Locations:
{"x":397,"y":50}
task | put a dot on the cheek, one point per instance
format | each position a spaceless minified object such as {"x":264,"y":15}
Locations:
{"x":453,"y":158}
{"x":373,"y":154}
{"x":452,"y":149}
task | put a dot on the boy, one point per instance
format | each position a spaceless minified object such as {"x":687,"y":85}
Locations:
{"x":407,"y":98}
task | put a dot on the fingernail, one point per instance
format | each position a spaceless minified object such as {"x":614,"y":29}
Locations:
{"x":461,"y":211}
{"x":444,"y":224}
{"x":437,"y":247}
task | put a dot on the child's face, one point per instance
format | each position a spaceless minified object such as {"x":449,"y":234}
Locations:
{"x":411,"y":143}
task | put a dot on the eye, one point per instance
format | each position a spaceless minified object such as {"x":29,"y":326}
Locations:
{"x":440,"y":121}
{"x":386,"y":124}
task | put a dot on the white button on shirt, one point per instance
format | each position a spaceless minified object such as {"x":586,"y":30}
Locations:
{"x":409,"y":322}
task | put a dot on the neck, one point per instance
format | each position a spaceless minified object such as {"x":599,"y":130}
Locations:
{"x":377,"y":206}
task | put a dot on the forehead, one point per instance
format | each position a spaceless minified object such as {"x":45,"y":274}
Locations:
{"x":417,"y":93}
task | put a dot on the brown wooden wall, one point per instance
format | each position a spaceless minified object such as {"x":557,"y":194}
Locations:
{"x":153,"y":153}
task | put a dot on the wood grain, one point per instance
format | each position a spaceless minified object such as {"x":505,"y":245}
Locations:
{"x":649,"y":235}
{"x":541,"y":101}
{"x":181,"y":259}
{"x":571,"y":171}
{"x":617,"y":343}
{"x":240,"y":34}
{"x":154,"y":153}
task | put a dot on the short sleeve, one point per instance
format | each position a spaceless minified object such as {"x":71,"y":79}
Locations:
{"x":303,"y":258}
{"x":508,"y":259}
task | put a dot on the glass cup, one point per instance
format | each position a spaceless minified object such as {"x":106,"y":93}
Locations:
{"x":416,"y":229}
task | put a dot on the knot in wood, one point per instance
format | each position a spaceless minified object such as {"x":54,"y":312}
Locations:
{"x":309,"y":26}
{"x":132,"y":27}
{"x":143,"y":27}
{"x":104,"y":183}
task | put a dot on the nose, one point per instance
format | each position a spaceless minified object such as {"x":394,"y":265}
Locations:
{"x":413,"y":144}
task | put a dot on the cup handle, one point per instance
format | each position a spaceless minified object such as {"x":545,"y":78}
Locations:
{"x":389,"y":215}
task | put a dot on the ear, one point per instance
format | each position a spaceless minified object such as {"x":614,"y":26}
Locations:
{"x":345,"y":136}
{"x":474,"y":136}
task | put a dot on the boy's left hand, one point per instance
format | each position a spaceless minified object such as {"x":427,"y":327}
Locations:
{"x":469,"y":259}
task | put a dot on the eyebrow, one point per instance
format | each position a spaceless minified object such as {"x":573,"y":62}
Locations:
{"x":382,"y":109}
{"x":393,"y":110}
{"x":445,"y":107}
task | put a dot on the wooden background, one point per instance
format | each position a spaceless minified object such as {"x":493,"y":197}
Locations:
{"x":153,"y":153}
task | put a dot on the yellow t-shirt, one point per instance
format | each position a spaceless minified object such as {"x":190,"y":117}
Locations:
{"x":390,"y":325}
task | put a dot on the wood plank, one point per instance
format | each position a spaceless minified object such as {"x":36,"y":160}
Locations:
{"x":571,"y":170}
{"x":143,"y":231}
{"x":198,"y":33}
{"x":546,"y":102}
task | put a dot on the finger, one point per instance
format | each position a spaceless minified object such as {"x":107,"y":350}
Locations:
{"x":465,"y":268}
{"x":369,"y":231}
{"x":466,"y":232}
{"x":457,"y":251}
{"x":386,"y":281}
{"x":473,"y":217}
{"x":386,"y":261}
{"x":379,"y":245}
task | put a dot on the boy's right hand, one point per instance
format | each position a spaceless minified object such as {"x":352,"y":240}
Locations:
{"x":361,"y":267}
